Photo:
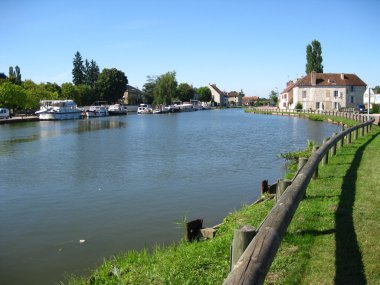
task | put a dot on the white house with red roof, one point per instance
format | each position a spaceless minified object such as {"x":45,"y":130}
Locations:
{"x":323,"y":91}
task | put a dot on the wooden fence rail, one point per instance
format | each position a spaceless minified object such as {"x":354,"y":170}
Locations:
{"x":254,"y":264}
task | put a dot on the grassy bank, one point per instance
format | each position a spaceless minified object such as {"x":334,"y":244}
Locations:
{"x":332,"y":236}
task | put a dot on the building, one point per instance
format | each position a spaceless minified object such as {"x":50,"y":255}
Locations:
{"x":234,"y":98}
{"x":250,"y":101}
{"x":375,"y":98}
{"x":218,"y":97}
{"x":132,"y":96}
{"x":323,"y":91}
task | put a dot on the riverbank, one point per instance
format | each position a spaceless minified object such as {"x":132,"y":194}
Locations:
{"x":18,"y":119}
{"x":333,"y":237}
{"x":208,"y":261}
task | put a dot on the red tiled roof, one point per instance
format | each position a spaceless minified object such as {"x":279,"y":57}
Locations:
{"x":327,"y":79}
{"x":331,"y":79}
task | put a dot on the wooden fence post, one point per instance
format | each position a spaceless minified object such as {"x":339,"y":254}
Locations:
{"x":282,"y":184}
{"x":301,"y":162}
{"x":333,"y":148}
{"x":356,"y":134}
{"x":315,"y":174}
{"x":325,"y":159}
{"x":193,"y":229}
{"x":362,"y":131}
{"x":349,"y":138}
{"x":242,"y":238}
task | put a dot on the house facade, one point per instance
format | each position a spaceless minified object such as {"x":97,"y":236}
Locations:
{"x":218,"y":96}
{"x":222,"y":98}
{"x":374,"y":97}
{"x":234,"y":99}
{"x":323,"y":91}
{"x":132,"y":96}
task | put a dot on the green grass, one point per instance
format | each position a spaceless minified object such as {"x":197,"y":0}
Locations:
{"x":333,"y":237}
{"x":205,"y":262}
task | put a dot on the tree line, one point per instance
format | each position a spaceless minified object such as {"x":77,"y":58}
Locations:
{"x":90,"y":85}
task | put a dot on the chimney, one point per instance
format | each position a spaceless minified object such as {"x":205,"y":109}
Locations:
{"x":342,"y":76}
{"x":313,"y":76}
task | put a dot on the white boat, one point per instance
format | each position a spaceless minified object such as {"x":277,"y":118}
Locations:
{"x":185,"y":107}
{"x":144,"y":109}
{"x":97,"y":111}
{"x":58,"y":110}
{"x":116,"y":110}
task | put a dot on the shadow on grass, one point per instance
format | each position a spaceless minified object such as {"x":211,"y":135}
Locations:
{"x":349,"y":264}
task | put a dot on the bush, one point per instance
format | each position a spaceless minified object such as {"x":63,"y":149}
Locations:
{"x":298,"y":106}
{"x":375,"y":108}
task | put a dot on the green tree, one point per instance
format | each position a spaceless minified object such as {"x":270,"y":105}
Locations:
{"x":314,"y":57}
{"x":165,"y":89}
{"x":12,"y":96}
{"x":18,"y":74}
{"x":148,"y":89}
{"x":377,"y":89}
{"x":111,"y":85}
{"x":91,"y":72}
{"x":53,"y":87}
{"x":78,"y":69}
{"x":185,"y":92}
{"x":273,"y":97}
{"x":204,"y":94}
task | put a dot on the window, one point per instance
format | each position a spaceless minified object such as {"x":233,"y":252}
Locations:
{"x":352,"y":99}
{"x":352,"y":88}
{"x":336,"y":93}
{"x":336,"y":105}
{"x":303,"y":94}
{"x":317,"y":105}
{"x":327,"y":93}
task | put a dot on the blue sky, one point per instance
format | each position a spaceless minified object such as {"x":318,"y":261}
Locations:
{"x":252,"y":45}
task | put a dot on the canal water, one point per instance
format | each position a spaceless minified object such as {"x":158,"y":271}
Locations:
{"x":74,"y":192}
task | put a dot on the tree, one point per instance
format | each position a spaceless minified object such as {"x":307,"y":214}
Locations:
{"x":111,"y":85}
{"x":185,"y":92}
{"x":376,"y":89}
{"x":91,"y":72}
{"x":148,"y":89}
{"x":18,"y":74}
{"x":165,"y":89}
{"x":12,"y":96}
{"x":78,"y":70}
{"x":204,"y":94}
{"x":273,"y":97}
{"x":314,"y":57}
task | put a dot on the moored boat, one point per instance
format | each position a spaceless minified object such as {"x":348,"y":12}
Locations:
{"x":144,"y":109}
{"x":97,"y":111}
{"x":58,"y":110}
{"x":117,"y":110}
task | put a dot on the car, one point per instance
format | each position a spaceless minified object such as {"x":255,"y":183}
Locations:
{"x":4,"y":113}
{"x":360,"y":108}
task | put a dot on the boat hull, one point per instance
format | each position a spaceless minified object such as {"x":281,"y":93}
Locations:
{"x":50,"y":116}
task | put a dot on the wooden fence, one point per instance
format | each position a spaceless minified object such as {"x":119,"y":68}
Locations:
{"x":300,"y":113}
{"x":257,"y":258}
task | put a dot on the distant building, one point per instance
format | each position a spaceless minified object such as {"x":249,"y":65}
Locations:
{"x":222,"y":98}
{"x":132,"y":96}
{"x":3,"y":76}
{"x":234,"y":98}
{"x":375,"y":98}
{"x":218,"y":96}
{"x":323,"y":91}
{"x":250,"y":101}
